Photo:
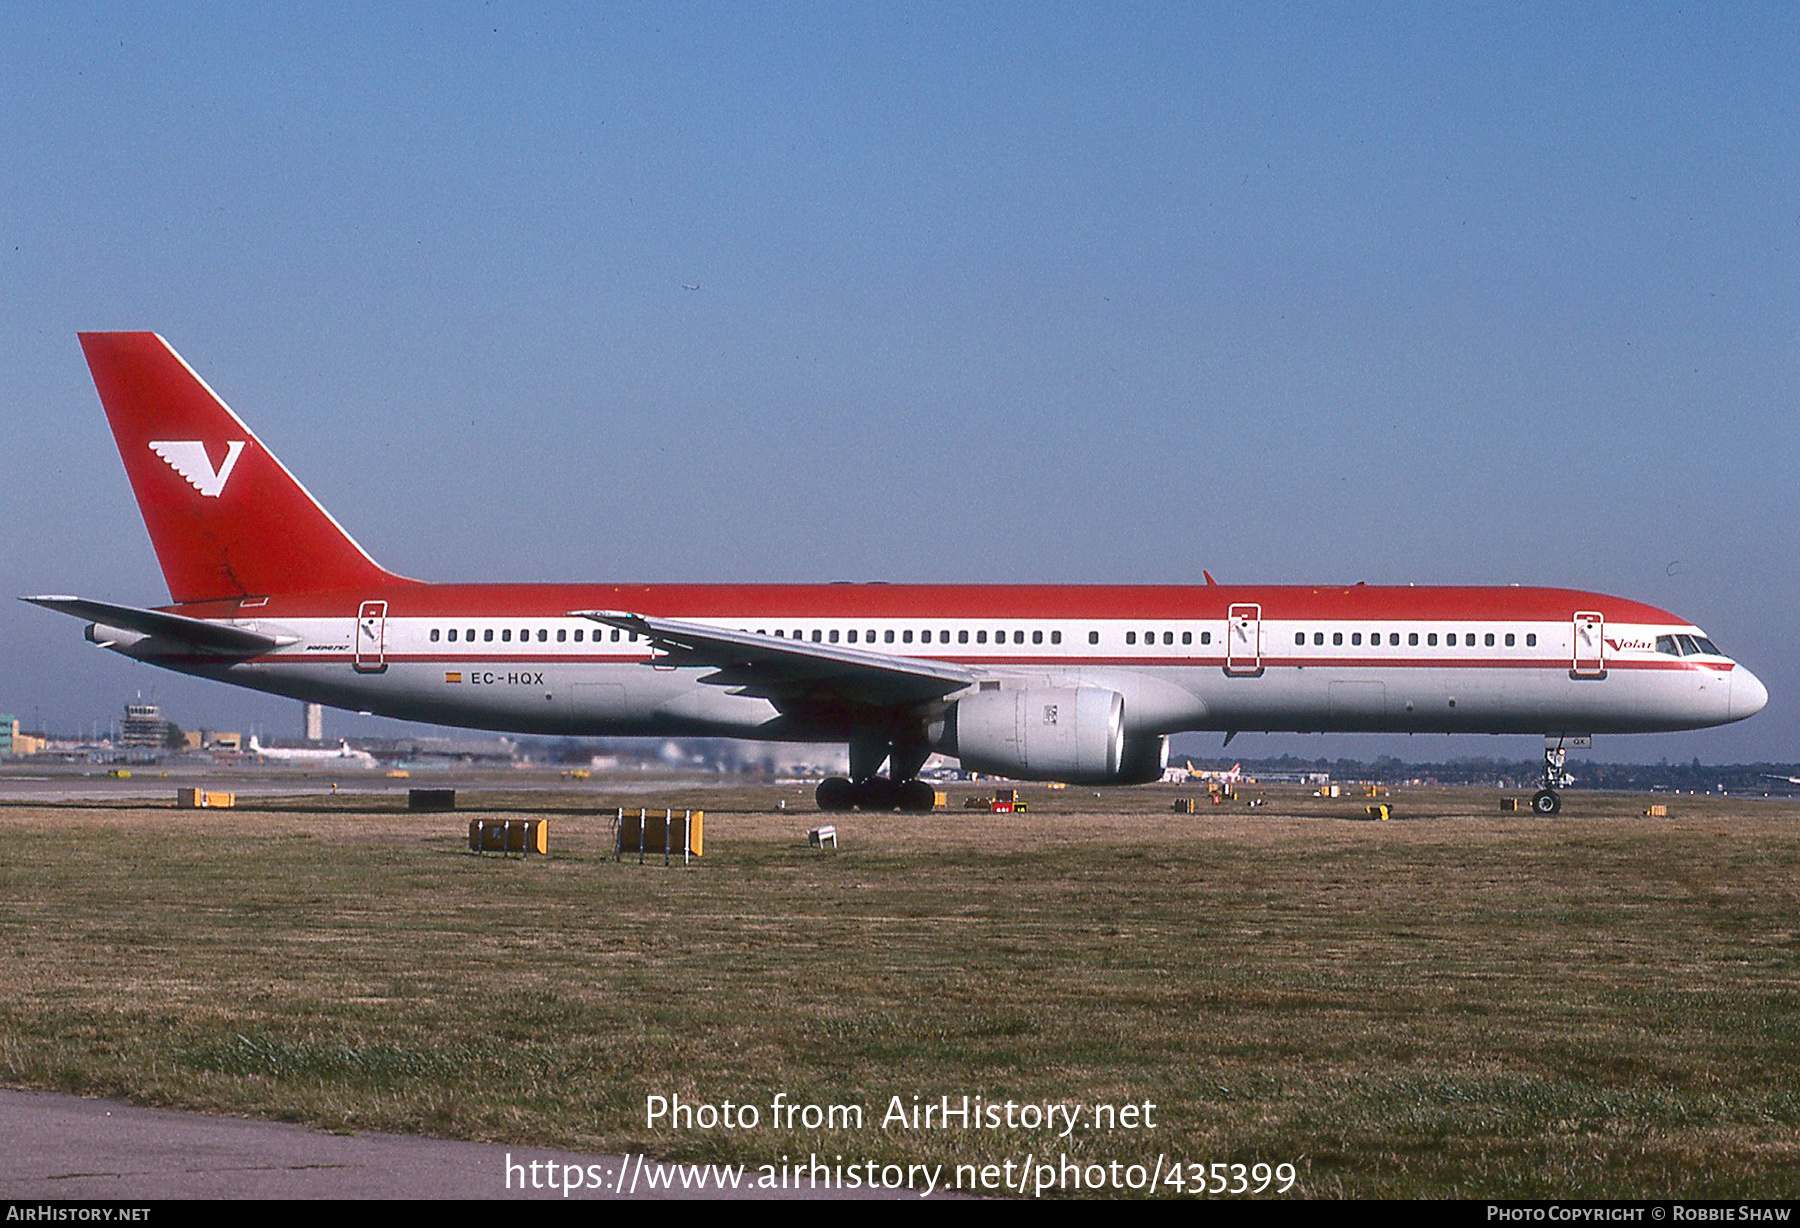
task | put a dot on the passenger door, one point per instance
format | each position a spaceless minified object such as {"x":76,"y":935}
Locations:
{"x":1243,"y":641}
{"x":370,"y":655}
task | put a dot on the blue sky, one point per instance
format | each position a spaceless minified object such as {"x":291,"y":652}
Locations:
{"x":1440,"y":294}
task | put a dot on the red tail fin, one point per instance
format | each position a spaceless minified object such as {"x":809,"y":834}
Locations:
{"x":227,"y":519}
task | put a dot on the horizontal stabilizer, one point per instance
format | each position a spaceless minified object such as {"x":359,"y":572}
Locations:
{"x":176,"y":628}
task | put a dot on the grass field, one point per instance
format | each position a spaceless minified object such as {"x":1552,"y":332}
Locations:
{"x":1452,"y":1003}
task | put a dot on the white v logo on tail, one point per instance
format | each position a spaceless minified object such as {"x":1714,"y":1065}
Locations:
{"x":188,"y":458}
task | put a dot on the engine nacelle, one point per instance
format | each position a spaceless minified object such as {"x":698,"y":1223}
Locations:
{"x":1075,"y":734}
{"x":1146,"y":759}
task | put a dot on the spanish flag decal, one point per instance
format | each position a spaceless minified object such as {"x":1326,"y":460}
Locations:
{"x":452,"y":677}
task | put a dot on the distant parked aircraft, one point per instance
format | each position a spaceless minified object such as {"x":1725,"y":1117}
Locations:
{"x":343,"y":755}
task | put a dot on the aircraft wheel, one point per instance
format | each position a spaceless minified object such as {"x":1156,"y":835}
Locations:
{"x":1544,"y":801}
{"x":917,"y":797}
{"x":835,"y":793}
{"x":877,"y":793}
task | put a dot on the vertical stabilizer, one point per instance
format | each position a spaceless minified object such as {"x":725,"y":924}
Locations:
{"x":226,"y":518}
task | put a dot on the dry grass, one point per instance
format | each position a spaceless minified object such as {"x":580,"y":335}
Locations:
{"x":1454,"y":1003}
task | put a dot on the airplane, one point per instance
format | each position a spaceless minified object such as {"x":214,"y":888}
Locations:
{"x":1082,"y":684}
{"x":342,"y":756}
{"x":1232,"y":775}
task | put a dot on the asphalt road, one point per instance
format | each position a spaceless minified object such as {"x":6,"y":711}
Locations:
{"x":68,"y":1148}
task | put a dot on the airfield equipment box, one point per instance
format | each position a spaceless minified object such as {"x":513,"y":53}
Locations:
{"x":668,"y":833}
{"x":1658,"y":810}
{"x":1383,"y":812}
{"x":522,"y":836}
{"x":1185,"y":805}
{"x":205,"y":799}
{"x":1509,"y":805}
{"x":431,"y":799}
{"x":819,"y":837}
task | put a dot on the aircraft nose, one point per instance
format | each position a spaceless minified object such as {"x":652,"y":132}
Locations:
{"x":1748,"y":695}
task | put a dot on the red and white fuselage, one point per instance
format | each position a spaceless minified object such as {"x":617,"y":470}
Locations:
{"x":1215,"y":657}
{"x":1038,"y":681}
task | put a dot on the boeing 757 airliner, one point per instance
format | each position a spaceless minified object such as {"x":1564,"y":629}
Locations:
{"x":1080,"y":684}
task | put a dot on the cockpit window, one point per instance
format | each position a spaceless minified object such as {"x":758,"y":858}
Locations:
{"x":1666,"y":643}
{"x":1707,"y":646}
{"x":1688,"y":647}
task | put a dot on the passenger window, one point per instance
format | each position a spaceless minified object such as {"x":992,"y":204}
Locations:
{"x":1412,"y":639}
{"x":962,"y":637}
{"x":1131,"y":637}
{"x":1393,"y":639}
{"x":1018,"y":637}
{"x":887,"y":637}
{"x":1337,"y":638}
{"x":834,"y":635}
{"x":1093,"y":637}
{"x":852,"y":636}
{"x":1356,"y":639}
{"x":1490,"y":639}
{"x":1187,"y":637}
{"x":1431,"y":639}
{"x":1206,"y":637}
{"x":562,"y":635}
{"x":487,"y":635}
{"x":581,"y":632}
{"x":506,"y":635}
{"x":1469,"y":640}
{"x":1037,"y":637}
{"x":1169,"y":638}
{"x":615,"y":635}
{"x":1056,"y":637}
{"x":1318,"y":639}
{"x":1509,"y":639}
{"x":1299,"y":638}
{"x":817,"y":635}
{"x":1531,"y":639}
{"x":981,"y":637}
{"x":906,"y":637}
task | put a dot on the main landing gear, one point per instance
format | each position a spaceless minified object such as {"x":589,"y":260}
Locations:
{"x":875,"y":793}
{"x":1546,"y":800}
{"x":864,"y":790}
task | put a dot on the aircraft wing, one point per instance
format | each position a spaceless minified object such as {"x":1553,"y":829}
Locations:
{"x":791,"y":671}
{"x":176,"y":629}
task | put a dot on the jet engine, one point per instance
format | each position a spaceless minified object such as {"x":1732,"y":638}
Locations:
{"x":1075,"y":734}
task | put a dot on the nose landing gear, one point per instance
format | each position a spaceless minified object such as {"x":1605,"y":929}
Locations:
{"x":1546,"y":800}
